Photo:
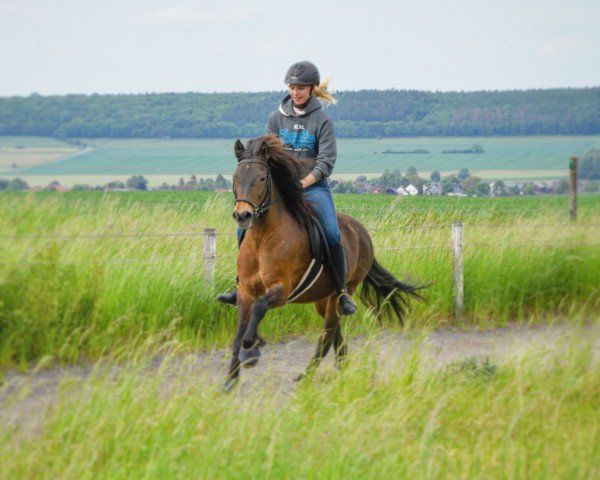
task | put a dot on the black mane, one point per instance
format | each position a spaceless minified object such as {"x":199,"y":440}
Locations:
{"x":287,"y":171}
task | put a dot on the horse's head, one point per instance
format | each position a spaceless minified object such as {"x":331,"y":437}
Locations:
{"x":251,"y":182}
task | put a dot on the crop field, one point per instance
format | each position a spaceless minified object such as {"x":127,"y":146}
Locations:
{"x":111,"y":280}
{"x":502,"y":157}
{"x":20,"y":153}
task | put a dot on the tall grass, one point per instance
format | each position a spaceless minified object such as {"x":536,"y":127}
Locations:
{"x":85,"y":274}
{"x":532,"y":417}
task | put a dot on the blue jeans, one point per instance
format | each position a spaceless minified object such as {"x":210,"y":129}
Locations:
{"x":319,"y":195}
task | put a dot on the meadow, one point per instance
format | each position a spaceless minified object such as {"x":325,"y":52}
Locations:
{"x":114,"y":282}
{"x":87,"y":273}
{"x":502,"y":157}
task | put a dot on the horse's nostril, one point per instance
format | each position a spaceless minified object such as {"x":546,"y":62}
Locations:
{"x":242,"y":216}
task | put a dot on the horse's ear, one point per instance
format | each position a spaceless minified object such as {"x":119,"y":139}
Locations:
{"x":239,"y":149}
{"x":264,"y":151}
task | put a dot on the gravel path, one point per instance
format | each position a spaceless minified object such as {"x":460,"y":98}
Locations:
{"x":25,"y":397}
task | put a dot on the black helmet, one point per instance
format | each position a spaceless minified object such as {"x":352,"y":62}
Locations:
{"x":302,"y":73}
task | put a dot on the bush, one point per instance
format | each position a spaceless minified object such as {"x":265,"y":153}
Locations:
{"x":137,"y":182}
{"x":16,"y":184}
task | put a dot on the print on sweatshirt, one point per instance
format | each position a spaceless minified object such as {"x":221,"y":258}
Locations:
{"x":299,"y":140}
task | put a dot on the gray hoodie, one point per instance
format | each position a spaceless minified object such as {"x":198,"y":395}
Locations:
{"x":310,"y":135}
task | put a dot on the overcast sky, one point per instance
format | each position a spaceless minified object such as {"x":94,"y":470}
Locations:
{"x":122,"y":46}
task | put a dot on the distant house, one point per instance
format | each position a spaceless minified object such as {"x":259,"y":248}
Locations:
{"x":58,"y":188}
{"x":412,"y":190}
{"x":391,"y":191}
{"x":432,"y":188}
{"x":402,"y":191}
{"x":456,"y":192}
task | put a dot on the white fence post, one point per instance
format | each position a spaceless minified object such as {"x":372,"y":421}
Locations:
{"x":210,"y":254}
{"x":457,"y":274}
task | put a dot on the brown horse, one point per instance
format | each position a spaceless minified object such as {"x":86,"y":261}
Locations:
{"x":275,"y":254}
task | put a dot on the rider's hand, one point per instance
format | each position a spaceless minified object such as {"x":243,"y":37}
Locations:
{"x":308,"y":181}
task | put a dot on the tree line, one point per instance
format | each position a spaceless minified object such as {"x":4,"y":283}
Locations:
{"x":364,"y":113}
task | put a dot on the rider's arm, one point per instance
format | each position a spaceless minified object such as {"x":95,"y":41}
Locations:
{"x":327,"y":151}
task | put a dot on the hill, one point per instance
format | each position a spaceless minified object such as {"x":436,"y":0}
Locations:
{"x":365,"y":113}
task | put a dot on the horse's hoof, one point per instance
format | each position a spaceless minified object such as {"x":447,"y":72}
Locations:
{"x":248,"y":357}
{"x":229,"y":385}
{"x":229,"y":298}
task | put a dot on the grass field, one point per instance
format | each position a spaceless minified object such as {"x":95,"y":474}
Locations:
{"x":503,"y":157}
{"x":90,"y":272}
{"x":115,"y":281}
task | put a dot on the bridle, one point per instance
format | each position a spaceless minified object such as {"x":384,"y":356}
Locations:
{"x":266,"y":202}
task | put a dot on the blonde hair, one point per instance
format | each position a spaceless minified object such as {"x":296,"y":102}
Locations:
{"x":322,"y":92}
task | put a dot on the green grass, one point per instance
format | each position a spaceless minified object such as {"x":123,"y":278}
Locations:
{"x":355,"y":156}
{"x":86,"y":274}
{"x":533,"y":417}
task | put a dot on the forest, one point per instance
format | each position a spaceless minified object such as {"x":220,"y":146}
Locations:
{"x":358,"y":114}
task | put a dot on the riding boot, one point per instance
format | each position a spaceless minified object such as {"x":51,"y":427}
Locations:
{"x":338,"y":262}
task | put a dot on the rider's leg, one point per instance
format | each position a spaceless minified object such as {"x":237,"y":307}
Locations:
{"x":320,"y":196}
{"x":230,"y":298}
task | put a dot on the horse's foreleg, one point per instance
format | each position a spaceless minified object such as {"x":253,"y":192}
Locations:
{"x":234,"y":366}
{"x":251,"y":341}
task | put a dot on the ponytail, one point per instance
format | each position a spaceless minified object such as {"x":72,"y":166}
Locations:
{"x":322,"y":92}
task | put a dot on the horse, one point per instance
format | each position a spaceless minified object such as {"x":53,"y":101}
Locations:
{"x":275,"y":254}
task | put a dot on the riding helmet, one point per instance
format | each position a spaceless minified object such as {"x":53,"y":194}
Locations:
{"x":302,"y":73}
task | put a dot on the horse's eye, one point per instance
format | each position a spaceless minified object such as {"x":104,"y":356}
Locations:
{"x":263,"y":179}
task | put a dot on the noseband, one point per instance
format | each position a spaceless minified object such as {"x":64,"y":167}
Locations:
{"x":266,"y":203}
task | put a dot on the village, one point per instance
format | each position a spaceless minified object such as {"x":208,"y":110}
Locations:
{"x":462,"y":184}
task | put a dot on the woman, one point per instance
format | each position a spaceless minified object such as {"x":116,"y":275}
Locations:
{"x":307,"y":131}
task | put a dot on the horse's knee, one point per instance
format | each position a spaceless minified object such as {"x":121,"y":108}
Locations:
{"x":260,"y":307}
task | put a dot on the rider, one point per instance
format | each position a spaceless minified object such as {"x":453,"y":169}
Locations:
{"x":306,"y":131}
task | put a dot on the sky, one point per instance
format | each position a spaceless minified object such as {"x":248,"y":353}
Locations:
{"x":122,"y":46}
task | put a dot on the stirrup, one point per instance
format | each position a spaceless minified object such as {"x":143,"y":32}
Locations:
{"x":348,"y":307}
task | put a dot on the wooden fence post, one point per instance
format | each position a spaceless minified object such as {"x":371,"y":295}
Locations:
{"x":573,"y":188}
{"x":210,"y":253}
{"x":457,"y":271}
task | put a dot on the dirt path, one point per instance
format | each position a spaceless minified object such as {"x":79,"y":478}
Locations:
{"x":25,"y":397}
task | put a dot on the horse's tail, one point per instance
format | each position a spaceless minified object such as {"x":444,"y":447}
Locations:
{"x":384,"y":292}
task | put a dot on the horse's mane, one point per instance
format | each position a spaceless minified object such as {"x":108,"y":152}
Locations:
{"x":287,"y":171}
